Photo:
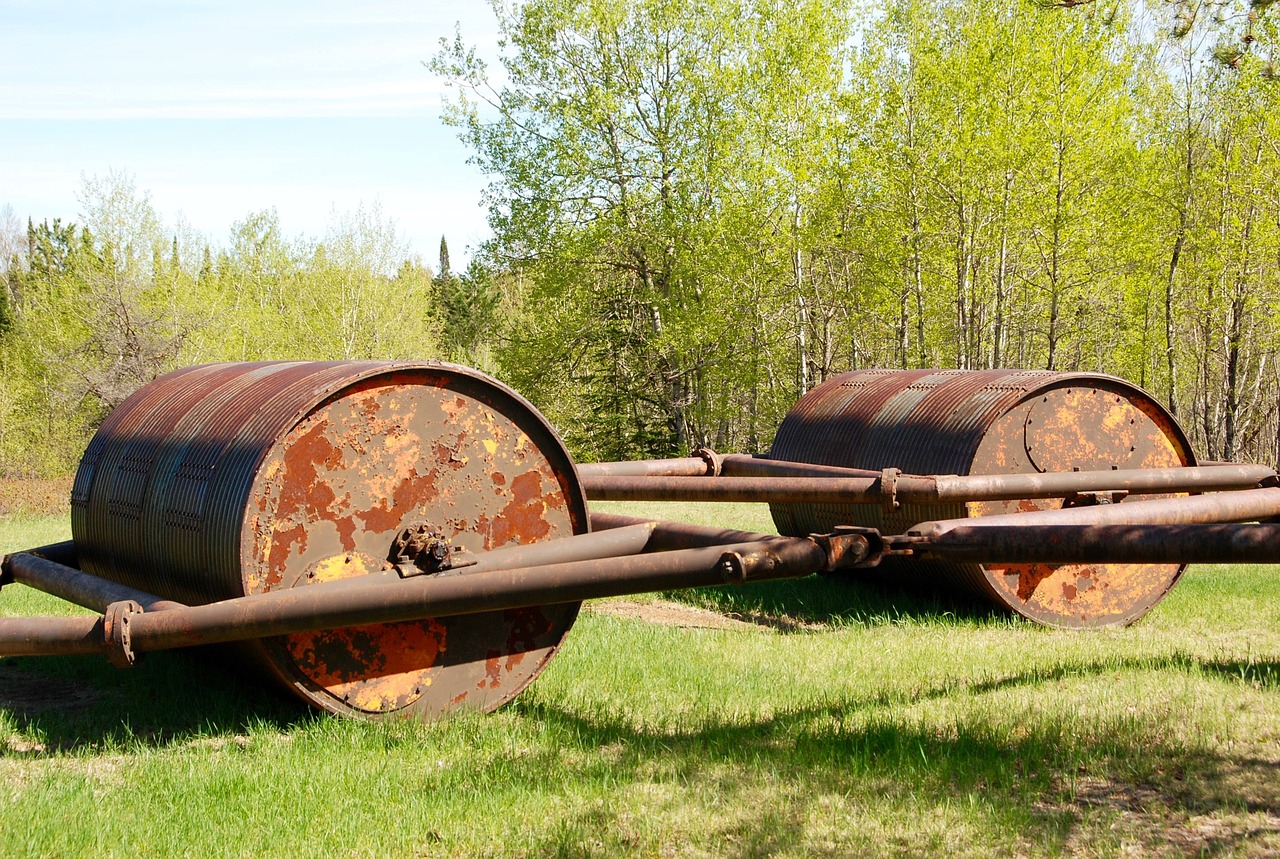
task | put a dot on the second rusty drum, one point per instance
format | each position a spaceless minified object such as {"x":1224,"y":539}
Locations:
{"x":988,"y":422}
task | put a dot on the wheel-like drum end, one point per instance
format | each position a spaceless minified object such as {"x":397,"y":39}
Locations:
{"x":248,"y":478}
{"x":988,"y":422}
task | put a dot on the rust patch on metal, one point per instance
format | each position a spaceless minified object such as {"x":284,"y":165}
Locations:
{"x":987,"y":422}
{"x":1077,"y":427}
{"x":378,"y":668}
{"x":1028,"y":577}
{"x":523,"y":519}
{"x":492,"y":671}
{"x":392,"y":452}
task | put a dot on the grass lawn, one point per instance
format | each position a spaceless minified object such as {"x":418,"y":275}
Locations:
{"x":838,"y":720}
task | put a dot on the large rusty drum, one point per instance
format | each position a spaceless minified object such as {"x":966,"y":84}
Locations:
{"x":988,"y":422}
{"x":223,"y":480}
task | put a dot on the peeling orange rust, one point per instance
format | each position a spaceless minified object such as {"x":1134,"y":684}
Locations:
{"x":265,"y":502}
{"x":250,"y":475}
{"x":1000,"y":442}
{"x":390,"y":484}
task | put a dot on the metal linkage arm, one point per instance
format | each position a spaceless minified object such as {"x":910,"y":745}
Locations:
{"x":378,"y":598}
{"x":748,"y":479}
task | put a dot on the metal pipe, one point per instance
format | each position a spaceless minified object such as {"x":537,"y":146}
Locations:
{"x":76,"y":586}
{"x":1107,"y":544}
{"x":921,"y":489}
{"x":51,"y":636}
{"x":744,"y":465}
{"x":685,"y":467}
{"x":1252,"y":505}
{"x":613,"y":543}
{"x":753,"y":489}
{"x":303,"y":609}
{"x":677,"y":535}
{"x":316,"y":607}
{"x":60,"y":553}
{"x":1009,"y":487}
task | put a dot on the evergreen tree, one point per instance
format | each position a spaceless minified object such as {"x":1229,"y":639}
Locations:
{"x":444,"y":272}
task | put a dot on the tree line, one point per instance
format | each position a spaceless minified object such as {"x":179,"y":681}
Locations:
{"x":702,"y":208}
{"x":92,"y":310}
{"x":716,"y":204}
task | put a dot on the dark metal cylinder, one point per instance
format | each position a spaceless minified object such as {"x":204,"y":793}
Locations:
{"x":988,"y":422}
{"x":225,"y":480}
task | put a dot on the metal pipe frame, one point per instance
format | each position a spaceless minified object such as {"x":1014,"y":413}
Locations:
{"x":904,"y":488}
{"x":74,"y":586}
{"x":1250,"y":506}
{"x":685,"y":467}
{"x":344,"y":604}
{"x":677,"y":535}
{"x":628,"y":556}
{"x":1105,"y":544}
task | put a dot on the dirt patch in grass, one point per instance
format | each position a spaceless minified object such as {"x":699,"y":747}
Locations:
{"x":668,"y":613}
{"x":1233,"y":810}
{"x":27,"y":695}
{"x":36,"y":496}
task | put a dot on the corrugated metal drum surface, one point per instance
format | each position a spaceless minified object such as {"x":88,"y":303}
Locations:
{"x":988,"y":422}
{"x":223,"y":480}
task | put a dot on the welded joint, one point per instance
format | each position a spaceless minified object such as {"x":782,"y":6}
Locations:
{"x":116,"y":633}
{"x":889,"y":488}
{"x":849,"y":546}
{"x":714,"y":461}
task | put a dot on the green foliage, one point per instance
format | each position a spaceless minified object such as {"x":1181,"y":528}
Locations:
{"x":99,"y":309}
{"x":702,"y":209}
{"x":713,"y":206}
{"x":635,"y":144}
{"x":469,"y":308}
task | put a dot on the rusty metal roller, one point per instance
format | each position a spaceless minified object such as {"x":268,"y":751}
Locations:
{"x":224,"y":480}
{"x":988,"y":422}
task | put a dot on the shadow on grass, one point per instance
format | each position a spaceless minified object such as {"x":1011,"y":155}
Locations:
{"x":168,"y":698}
{"x":845,"y":599}
{"x":1047,"y":782}
{"x":1043,"y":785}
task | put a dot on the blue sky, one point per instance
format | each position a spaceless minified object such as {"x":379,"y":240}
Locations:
{"x":220,"y":109}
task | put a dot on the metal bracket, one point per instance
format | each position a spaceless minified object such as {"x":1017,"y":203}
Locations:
{"x":714,"y":461}
{"x":848,"y":546}
{"x":889,"y":488}
{"x":420,"y":550}
{"x":906,"y":545}
{"x":115,"y":632}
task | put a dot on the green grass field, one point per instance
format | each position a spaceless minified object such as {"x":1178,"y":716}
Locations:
{"x":878,"y":725}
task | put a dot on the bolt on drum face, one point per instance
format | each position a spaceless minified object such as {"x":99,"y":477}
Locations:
{"x":988,"y":422}
{"x":285,"y":475}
